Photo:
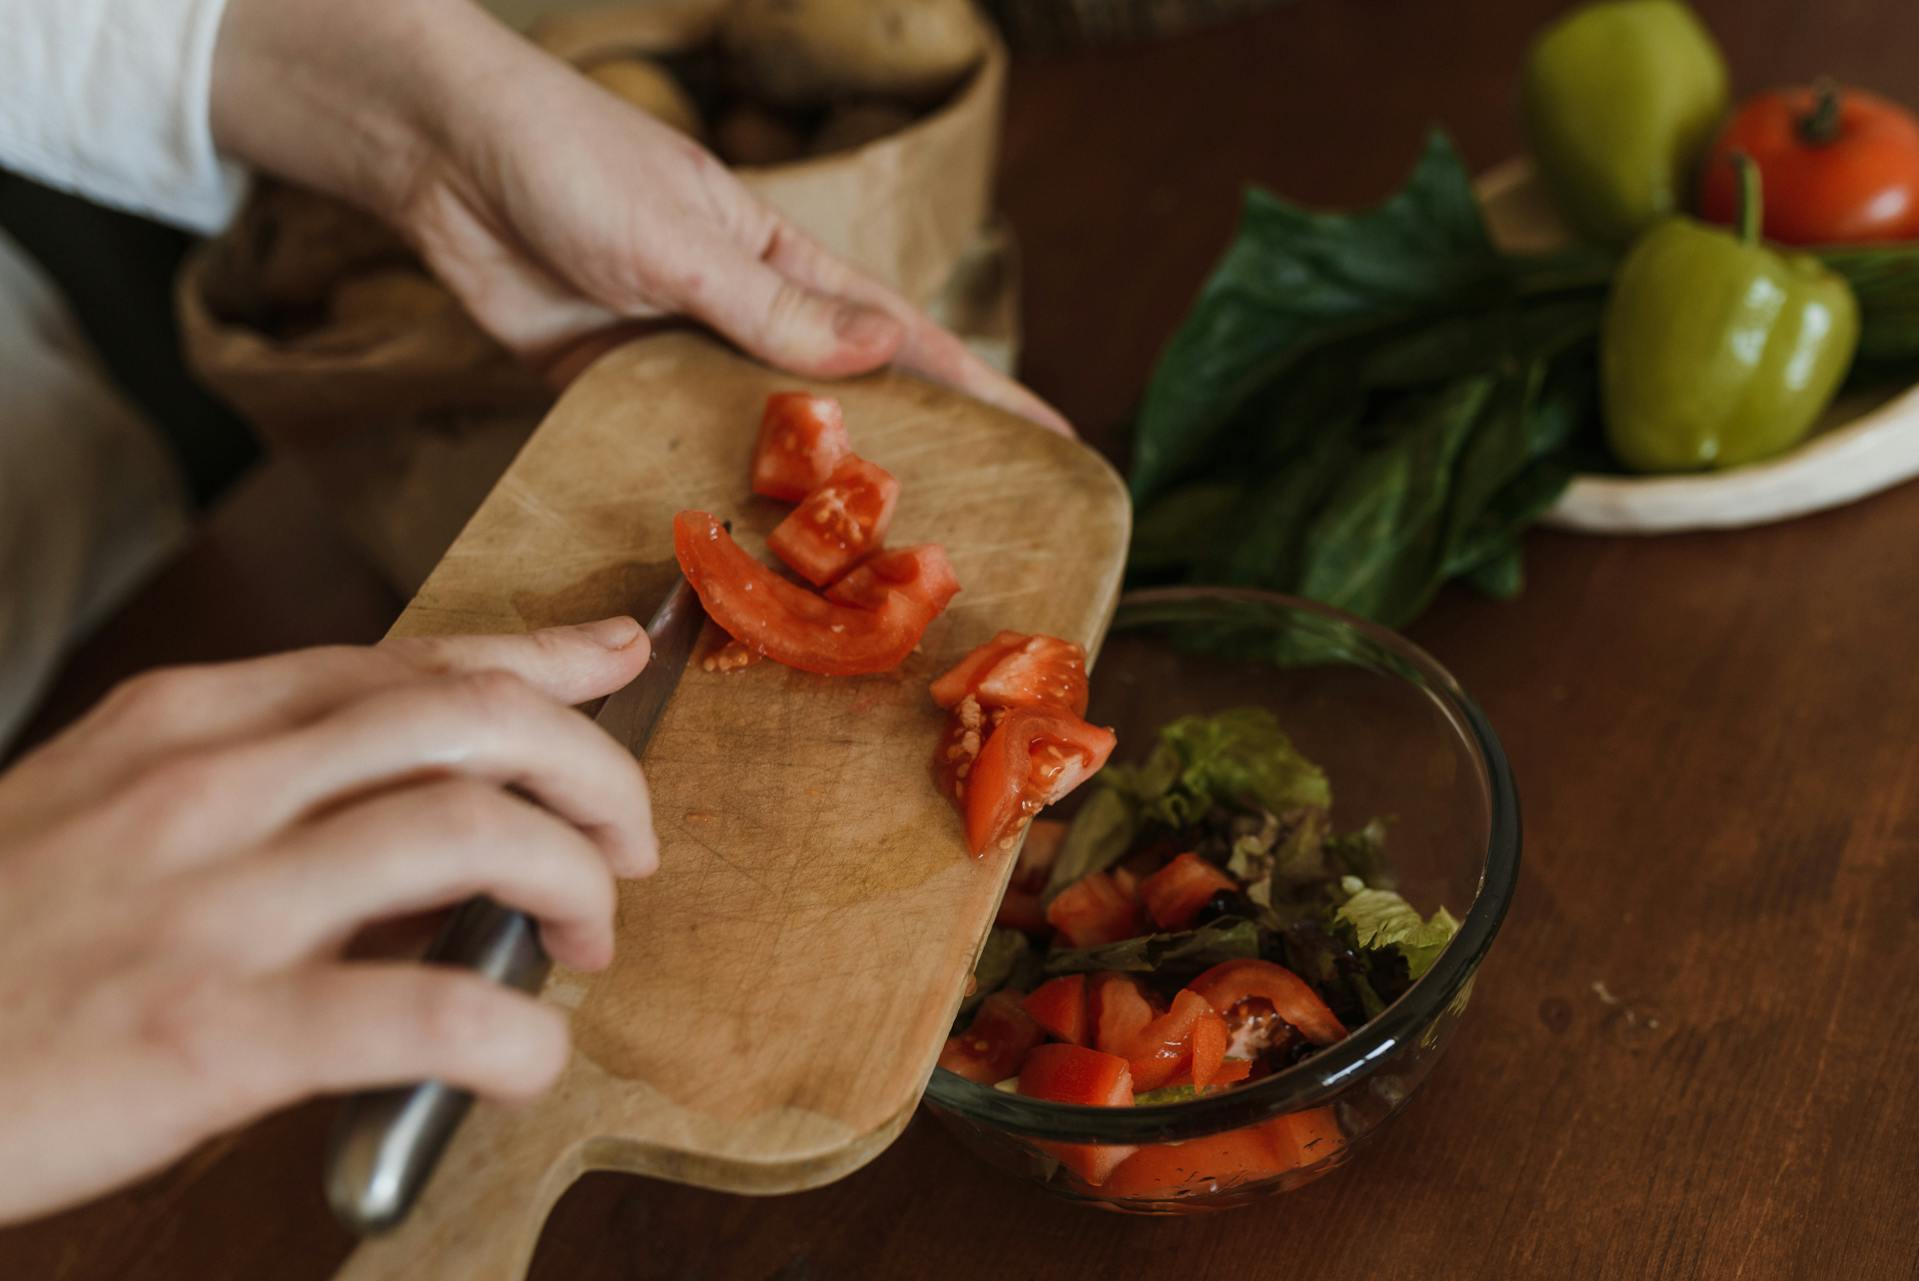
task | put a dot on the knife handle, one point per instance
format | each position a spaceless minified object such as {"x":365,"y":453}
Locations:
{"x":386,"y":1142}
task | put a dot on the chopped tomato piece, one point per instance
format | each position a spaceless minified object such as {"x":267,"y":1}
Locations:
{"x":1092,"y":910}
{"x":1126,"y":882}
{"x":783,"y":621}
{"x":921,"y":573}
{"x":1230,"y":982}
{"x":802,"y":439}
{"x":1059,"y":1006}
{"x":1016,"y":670}
{"x":1044,"y":836}
{"x":995,"y":1044}
{"x":1117,"y":1010}
{"x":1231,"y":1072}
{"x":955,"y":685}
{"x":1036,"y":756}
{"x":1314,"y":1134}
{"x":1021,"y":910}
{"x":839,"y":524}
{"x":1175,"y":894}
{"x":1075,"y":1074}
{"x":1208,"y":1164}
{"x":1209,"y":1049}
{"x":1162,"y":1047}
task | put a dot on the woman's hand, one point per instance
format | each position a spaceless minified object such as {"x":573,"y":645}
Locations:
{"x":552,"y":208}
{"x":181,"y":871}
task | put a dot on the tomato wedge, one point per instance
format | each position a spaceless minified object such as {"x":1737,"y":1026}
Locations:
{"x":1208,"y":1164}
{"x":920,"y":573}
{"x":1017,"y":670}
{"x":1175,"y":894}
{"x":1075,"y":1074}
{"x":1117,"y":1011}
{"x":1230,"y":982}
{"x":1036,"y":756}
{"x":1162,"y":1047}
{"x":1314,"y":1133}
{"x":1059,"y":1006}
{"x":1209,"y":1049}
{"x":783,"y":621}
{"x":802,"y":439}
{"x":839,"y":524}
{"x":1093,"y":910}
{"x":995,"y":1044}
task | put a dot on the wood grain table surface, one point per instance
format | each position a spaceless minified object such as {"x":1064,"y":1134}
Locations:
{"x":1693,"y":1051}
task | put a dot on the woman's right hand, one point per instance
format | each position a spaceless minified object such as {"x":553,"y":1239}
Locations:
{"x":181,"y":871}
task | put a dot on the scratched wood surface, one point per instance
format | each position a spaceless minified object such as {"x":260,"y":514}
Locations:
{"x":784,"y":982}
{"x":1691,"y":1053}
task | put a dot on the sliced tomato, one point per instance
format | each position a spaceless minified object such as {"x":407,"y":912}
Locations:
{"x":995,"y":1044}
{"x":1117,"y":1010}
{"x":921,"y":573}
{"x":1162,"y":1047}
{"x":1314,"y":1135}
{"x":1175,"y":894}
{"x":783,"y":621}
{"x":1033,"y":758}
{"x":839,"y":524}
{"x":1075,"y":1074}
{"x":1016,"y":670}
{"x":1059,"y":1006}
{"x":802,"y":439}
{"x":1231,"y":982}
{"x":1209,"y":1049}
{"x":1230,"y":1072}
{"x":1092,"y":910}
{"x":1021,"y":910}
{"x":1209,"y":1164}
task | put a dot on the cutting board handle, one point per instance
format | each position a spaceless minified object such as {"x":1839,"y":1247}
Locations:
{"x":480,"y":1216}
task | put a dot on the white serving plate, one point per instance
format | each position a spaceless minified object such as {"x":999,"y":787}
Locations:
{"x":1863,"y":443}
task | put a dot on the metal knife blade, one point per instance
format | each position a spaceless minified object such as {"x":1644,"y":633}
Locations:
{"x":385,"y":1143}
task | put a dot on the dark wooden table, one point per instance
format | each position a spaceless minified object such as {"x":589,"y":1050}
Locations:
{"x":1693,"y":1051}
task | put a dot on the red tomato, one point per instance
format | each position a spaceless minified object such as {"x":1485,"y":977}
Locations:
{"x":921,"y":573}
{"x":1836,"y":166}
{"x":1092,"y":910}
{"x":1036,"y":756}
{"x":782,"y":620}
{"x":1174,"y":894}
{"x":1074,"y":1074}
{"x":1160,"y":1049}
{"x":1231,"y":1072}
{"x":1314,"y":1135}
{"x":1217,"y":1161}
{"x":802,"y":439}
{"x":1209,"y":1048}
{"x":1044,"y":836}
{"x":1059,"y":1006}
{"x":1021,"y":910}
{"x":839,"y":524}
{"x":995,"y":1044}
{"x":1016,"y":670}
{"x":1125,"y":882}
{"x":1230,"y":982}
{"x":1117,"y":1010}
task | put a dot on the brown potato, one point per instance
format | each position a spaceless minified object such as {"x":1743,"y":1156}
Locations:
{"x":651,"y":88}
{"x":399,"y":295}
{"x":595,"y":33}
{"x":746,"y":135}
{"x":800,"y":53}
{"x":855,"y":124}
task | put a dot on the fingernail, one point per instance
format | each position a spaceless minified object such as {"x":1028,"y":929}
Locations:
{"x":863,"y":326}
{"x":614,"y":633}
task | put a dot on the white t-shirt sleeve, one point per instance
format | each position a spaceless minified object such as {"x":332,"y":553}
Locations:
{"x":109,"y":99}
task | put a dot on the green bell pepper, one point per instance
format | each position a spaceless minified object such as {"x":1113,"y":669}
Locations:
{"x":1716,"y":350}
{"x":1621,"y":98}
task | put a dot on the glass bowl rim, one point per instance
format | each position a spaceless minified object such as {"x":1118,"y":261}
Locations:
{"x":1325,"y":1074}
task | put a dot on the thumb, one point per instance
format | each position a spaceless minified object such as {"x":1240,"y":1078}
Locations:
{"x":800,"y":330}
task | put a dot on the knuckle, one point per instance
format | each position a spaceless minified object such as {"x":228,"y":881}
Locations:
{"x":497,"y":695}
{"x":159,"y":696}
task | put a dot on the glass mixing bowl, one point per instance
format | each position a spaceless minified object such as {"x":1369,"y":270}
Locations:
{"x":1397,"y":737}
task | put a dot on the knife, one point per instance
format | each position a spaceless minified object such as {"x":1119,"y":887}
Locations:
{"x":386,"y":1142}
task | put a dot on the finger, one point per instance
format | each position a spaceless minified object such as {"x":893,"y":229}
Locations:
{"x":365,"y":1026}
{"x":784,"y":322}
{"x":403,"y":852}
{"x":489,"y":725}
{"x":185,"y":709}
{"x":927,"y":348}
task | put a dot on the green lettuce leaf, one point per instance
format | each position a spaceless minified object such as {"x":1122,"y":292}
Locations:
{"x":1239,"y":756}
{"x":1382,"y":919}
{"x":1179,"y":955}
{"x":1098,"y":836}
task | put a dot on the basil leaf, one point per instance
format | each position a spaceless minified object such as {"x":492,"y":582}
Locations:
{"x":1179,"y":955}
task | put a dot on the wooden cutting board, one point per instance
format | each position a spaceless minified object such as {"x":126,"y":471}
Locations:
{"x":784,"y":983}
